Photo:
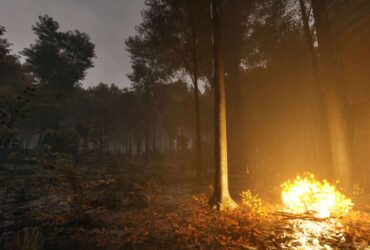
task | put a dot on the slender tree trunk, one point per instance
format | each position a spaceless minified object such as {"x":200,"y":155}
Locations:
{"x":322,"y":128}
{"x":5,"y":150}
{"x":147,"y":123}
{"x":129,"y":145}
{"x":198,"y":139}
{"x":221,"y":198}
{"x":138,"y":147}
{"x":154,"y":139}
{"x":235,"y":126}
{"x":338,"y":129}
{"x":310,"y":45}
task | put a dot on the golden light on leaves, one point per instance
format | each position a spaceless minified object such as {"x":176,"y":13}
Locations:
{"x":319,"y":198}
{"x":253,"y":203}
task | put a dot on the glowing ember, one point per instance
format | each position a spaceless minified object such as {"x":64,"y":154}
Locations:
{"x":321,"y":199}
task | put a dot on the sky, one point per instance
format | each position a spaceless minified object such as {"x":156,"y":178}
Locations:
{"x":108,"y":22}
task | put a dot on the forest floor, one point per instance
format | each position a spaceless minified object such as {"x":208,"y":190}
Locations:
{"x":65,"y":208}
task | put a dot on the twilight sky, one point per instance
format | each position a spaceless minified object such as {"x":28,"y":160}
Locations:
{"x":108,"y":22}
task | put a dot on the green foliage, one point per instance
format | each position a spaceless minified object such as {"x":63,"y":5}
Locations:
{"x":174,"y":37}
{"x":15,"y":108}
{"x":59,"y":59}
{"x":11,"y":71}
{"x":4,"y":44}
{"x":16,"y":92}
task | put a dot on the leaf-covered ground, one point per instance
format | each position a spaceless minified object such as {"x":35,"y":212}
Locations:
{"x":175,"y":221}
{"x":66,"y":208}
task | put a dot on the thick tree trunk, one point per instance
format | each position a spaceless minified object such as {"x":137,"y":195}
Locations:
{"x":338,"y":129}
{"x":221,"y":197}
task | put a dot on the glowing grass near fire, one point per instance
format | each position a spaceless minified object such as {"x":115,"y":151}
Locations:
{"x":308,"y":195}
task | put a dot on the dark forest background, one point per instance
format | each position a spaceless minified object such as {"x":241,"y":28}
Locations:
{"x":166,"y":114}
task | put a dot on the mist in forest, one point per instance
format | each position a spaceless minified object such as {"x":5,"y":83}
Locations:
{"x":227,"y":100}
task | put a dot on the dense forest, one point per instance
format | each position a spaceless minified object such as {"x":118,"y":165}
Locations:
{"x":228,"y":98}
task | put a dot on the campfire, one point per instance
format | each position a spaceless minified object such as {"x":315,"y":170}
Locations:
{"x":318,"y":198}
{"x":313,"y":210}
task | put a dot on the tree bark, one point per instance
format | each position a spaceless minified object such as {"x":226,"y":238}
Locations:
{"x":221,"y":198}
{"x":338,"y":130}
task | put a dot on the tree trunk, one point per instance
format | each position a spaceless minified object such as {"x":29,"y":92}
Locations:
{"x":5,"y":151}
{"x":321,"y":127}
{"x":221,"y":197}
{"x":154,"y":139}
{"x":310,"y":44}
{"x":236,"y":139}
{"x":338,"y":130}
{"x":147,"y":123}
{"x":198,"y":139}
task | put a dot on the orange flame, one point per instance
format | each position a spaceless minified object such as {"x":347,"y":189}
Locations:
{"x":307,"y":195}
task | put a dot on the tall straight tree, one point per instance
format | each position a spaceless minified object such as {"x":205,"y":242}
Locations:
{"x":190,"y":24}
{"x":146,"y":73}
{"x":338,"y":128}
{"x":184,"y":28}
{"x":318,"y":91}
{"x":221,"y":198}
{"x":235,"y":29}
{"x":309,"y":39}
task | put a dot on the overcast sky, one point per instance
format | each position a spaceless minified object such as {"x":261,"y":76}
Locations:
{"x":108,"y":22}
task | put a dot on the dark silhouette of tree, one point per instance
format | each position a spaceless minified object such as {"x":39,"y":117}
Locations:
{"x":59,"y":59}
{"x":4,"y":44}
{"x":318,"y":90}
{"x":221,"y":198}
{"x":310,"y":41}
{"x":16,"y":92}
{"x":182,"y":34}
{"x":147,"y":71}
{"x":337,"y":124}
{"x":11,"y":71}
{"x":235,"y":29}
{"x":190,"y":25}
